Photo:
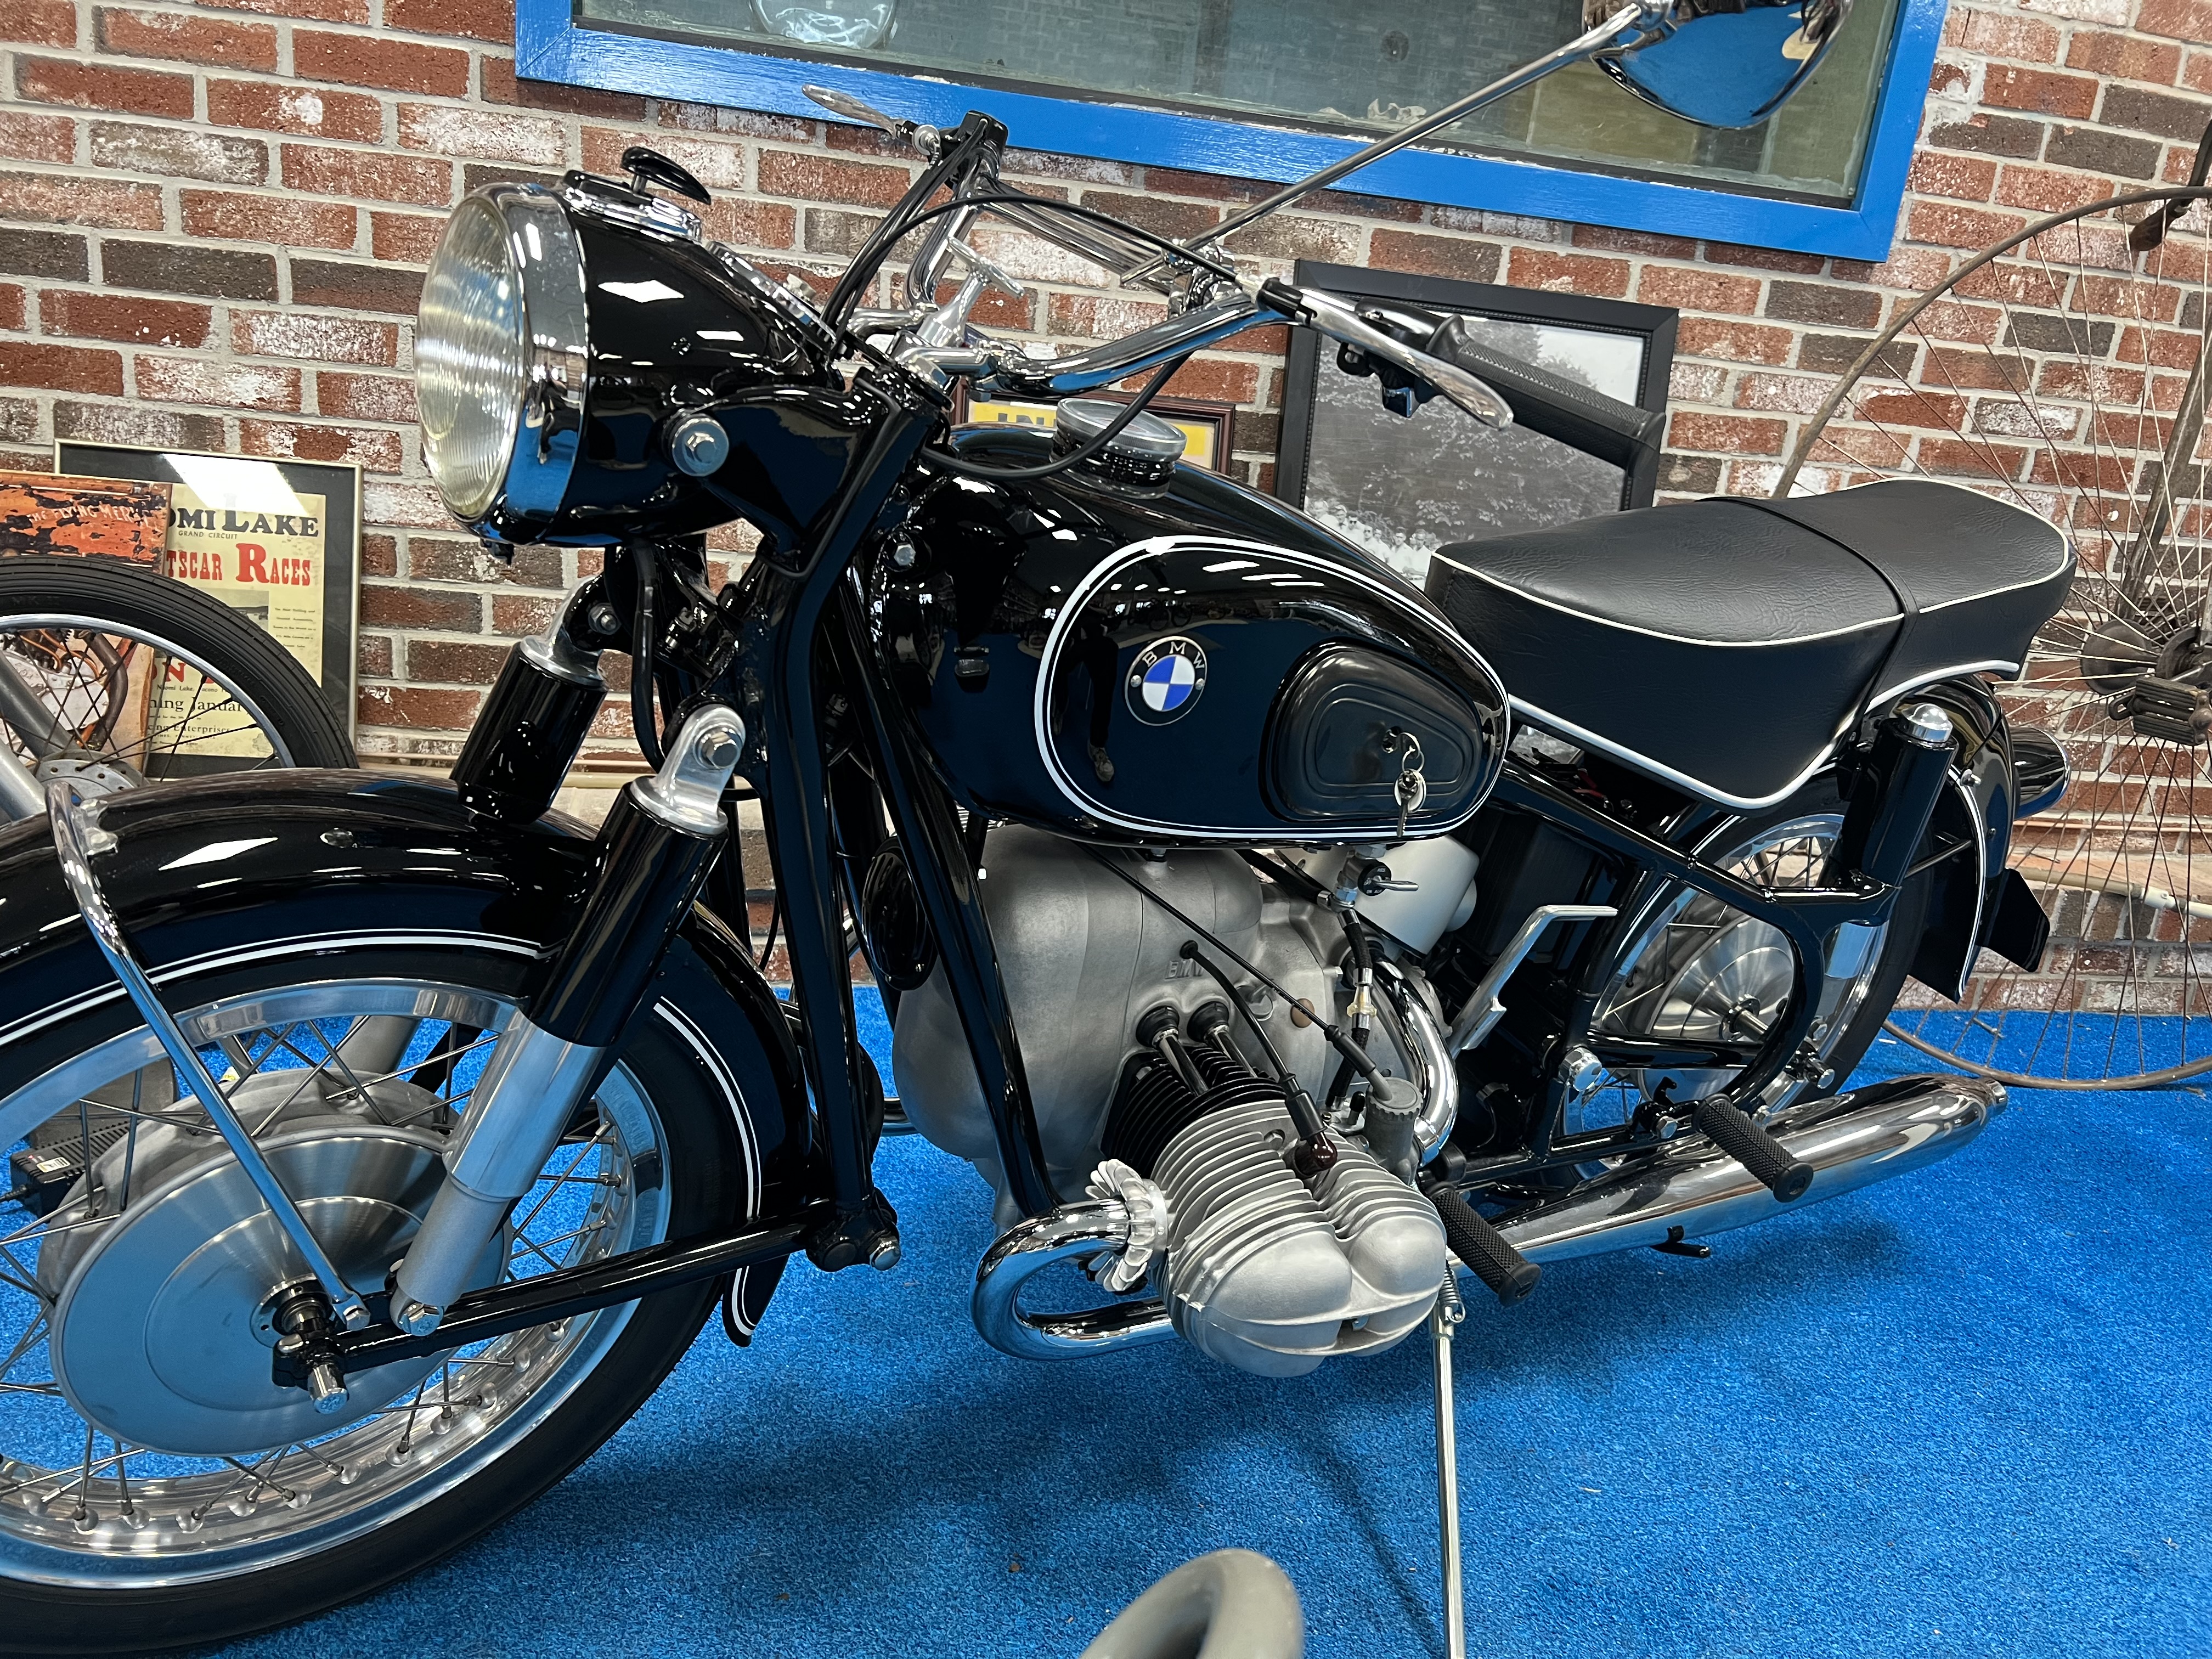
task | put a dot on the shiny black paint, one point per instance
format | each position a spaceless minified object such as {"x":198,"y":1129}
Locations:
{"x":1977,"y":812}
{"x":674,"y":330}
{"x":525,"y":736}
{"x":777,"y":681}
{"x":645,"y":876}
{"x":943,"y":869}
{"x":565,"y":1292}
{"x":963,"y":627}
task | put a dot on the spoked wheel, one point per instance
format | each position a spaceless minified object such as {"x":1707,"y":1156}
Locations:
{"x":157,"y":1488}
{"x":2065,"y":372}
{"x":114,"y":676}
{"x":1699,"y":972}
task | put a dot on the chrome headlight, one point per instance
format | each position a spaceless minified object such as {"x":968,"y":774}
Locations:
{"x":500,"y":356}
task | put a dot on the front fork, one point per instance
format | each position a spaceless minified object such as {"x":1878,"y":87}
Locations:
{"x":653,"y":856}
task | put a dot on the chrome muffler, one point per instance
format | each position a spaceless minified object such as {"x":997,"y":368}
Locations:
{"x":1851,"y":1140}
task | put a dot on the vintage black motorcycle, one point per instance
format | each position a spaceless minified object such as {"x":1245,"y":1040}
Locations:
{"x":1260,"y":928}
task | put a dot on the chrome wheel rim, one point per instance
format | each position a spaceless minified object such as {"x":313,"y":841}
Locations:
{"x":1701,"y":971}
{"x":79,"y":1506}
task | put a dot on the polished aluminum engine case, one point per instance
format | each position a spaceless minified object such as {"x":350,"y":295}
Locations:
{"x":1272,"y":1277}
{"x":1083,"y":957}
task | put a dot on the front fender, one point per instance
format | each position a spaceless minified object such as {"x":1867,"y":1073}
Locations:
{"x":199,"y":873}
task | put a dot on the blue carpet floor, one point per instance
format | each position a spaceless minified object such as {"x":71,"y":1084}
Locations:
{"x":1966,"y":1413}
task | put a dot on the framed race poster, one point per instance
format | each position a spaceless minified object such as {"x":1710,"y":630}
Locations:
{"x":279,"y":541}
{"x":1208,"y":427}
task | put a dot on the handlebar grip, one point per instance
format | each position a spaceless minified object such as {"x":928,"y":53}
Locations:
{"x":1510,"y":1274}
{"x":1553,"y":405}
{"x":1775,"y":1166}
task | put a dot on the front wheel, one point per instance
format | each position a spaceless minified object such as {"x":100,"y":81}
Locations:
{"x":156,"y":1488}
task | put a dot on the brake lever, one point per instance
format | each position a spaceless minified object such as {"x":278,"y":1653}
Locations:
{"x":1329,"y":315}
{"x":923,"y":137}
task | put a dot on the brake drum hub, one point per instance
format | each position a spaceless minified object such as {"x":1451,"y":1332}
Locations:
{"x":160,"y":1329}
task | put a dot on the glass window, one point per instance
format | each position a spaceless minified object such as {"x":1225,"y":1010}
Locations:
{"x":1357,"y":69}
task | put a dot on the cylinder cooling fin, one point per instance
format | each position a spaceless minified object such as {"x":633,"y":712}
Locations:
{"x":1264,"y":1269}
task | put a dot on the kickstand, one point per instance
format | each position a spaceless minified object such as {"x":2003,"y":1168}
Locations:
{"x":1450,"y":1310}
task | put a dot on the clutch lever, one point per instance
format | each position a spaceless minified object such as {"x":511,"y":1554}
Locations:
{"x":1326,"y":313}
{"x":923,"y":137}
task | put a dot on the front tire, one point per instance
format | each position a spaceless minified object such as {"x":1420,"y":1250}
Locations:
{"x":674,"y":1150}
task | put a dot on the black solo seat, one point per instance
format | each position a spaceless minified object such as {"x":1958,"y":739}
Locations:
{"x":1726,"y":644}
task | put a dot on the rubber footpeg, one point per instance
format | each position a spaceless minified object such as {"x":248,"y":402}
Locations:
{"x":1773,"y":1164}
{"x":1510,"y":1275}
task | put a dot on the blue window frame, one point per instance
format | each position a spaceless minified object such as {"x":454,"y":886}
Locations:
{"x":551,"y":44}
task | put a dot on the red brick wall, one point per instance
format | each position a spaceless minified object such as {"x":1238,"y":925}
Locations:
{"x":213,"y":220}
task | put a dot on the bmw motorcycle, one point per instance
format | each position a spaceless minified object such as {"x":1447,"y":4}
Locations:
{"x":1268,"y":934}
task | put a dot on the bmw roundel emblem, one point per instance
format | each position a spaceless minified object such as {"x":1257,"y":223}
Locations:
{"x":1167,"y":679}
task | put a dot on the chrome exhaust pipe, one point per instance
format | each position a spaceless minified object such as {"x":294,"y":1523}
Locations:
{"x":1851,"y":1140}
{"x":1074,"y":1233}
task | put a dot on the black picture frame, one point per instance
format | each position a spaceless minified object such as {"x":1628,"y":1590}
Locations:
{"x":337,"y":482}
{"x":1308,"y":402}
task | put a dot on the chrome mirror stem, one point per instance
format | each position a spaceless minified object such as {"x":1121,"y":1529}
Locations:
{"x":75,"y":836}
{"x":1642,"y":17}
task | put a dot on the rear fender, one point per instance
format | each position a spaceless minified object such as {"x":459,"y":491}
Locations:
{"x":195,"y":870}
{"x":1972,"y":906}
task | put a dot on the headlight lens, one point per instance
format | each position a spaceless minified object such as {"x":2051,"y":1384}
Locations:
{"x":472,"y":359}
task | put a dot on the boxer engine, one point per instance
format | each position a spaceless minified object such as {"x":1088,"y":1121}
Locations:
{"x":1159,"y":1098}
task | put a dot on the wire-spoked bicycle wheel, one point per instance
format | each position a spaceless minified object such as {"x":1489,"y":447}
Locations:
{"x":2064,"y":370}
{"x":113,"y":675}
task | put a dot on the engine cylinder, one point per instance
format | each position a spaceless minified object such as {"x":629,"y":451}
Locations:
{"x":1272,"y":1276}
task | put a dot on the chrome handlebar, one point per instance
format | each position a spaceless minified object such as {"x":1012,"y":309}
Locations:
{"x":936,"y":342}
{"x":1011,"y":374}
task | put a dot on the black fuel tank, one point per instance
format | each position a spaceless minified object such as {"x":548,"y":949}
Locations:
{"x":1189,"y":663}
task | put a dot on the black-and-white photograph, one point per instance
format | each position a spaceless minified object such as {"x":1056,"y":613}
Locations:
{"x":1401,"y":487}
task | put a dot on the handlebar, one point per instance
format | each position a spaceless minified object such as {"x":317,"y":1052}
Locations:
{"x":1257,"y":302}
{"x":942,"y":342}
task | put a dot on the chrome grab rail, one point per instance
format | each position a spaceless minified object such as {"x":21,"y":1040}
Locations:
{"x":76,"y":837}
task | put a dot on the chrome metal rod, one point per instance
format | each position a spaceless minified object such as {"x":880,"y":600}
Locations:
{"x":74,"y":837}
{"x":1450,"y":1310}
{"x":1069,"y":1233}
{"x":1483,"y":1010}
{"x":1133,"y":354}
{"x":21,"y":798}
{"x":1643,"y":16}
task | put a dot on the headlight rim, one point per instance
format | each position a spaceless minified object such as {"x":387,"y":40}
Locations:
{"x":545,"y":429}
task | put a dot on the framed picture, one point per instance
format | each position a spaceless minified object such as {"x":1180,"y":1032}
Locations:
{"x":1403,"y":488}
{"x":277,"y":540}
{"x":1209,"y":429}
{"x":40,"y":513}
